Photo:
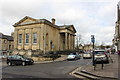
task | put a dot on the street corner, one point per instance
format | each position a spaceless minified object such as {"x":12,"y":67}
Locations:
{"x":74,"y":73}
{"x":108,"y":72}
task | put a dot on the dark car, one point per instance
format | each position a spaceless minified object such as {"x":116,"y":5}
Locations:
{"x":19,"y":60}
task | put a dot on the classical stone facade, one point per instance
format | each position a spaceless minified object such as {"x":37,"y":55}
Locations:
{"x":35,"y":36}
{"x":116,"y":40}
{"x":6,"y":44}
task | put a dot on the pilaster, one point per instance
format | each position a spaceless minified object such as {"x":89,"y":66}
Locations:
{"x":66,"y":41}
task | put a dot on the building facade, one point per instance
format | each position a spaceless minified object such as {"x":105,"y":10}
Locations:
{"x":35,"y":36}
{"x":88,"y":47}
{"x":6,"y":44}
{"x":116,"y":40}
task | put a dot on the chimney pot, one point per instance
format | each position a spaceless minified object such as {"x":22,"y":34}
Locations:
{"x":53,"y":21}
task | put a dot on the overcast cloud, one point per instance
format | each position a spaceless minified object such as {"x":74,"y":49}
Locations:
{"x":89,"y":17}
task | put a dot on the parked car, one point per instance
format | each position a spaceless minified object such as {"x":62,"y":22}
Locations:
{"x":86,"y":55}
{"x":73,"y":56}
{"x":19,"y":60}
{"x":100,"y":55}
{"x":3,"y":57}
{"x":81,"y":51}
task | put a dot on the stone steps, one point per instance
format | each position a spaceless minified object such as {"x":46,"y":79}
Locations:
{"x":86,"y":75}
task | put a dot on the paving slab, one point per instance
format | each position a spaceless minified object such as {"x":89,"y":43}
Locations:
{"x":109,"y":70}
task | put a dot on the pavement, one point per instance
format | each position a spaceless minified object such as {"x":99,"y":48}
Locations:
{"x":62,"y":58}
{"x":109,"y":72}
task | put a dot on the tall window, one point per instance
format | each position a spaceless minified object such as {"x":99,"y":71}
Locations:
{"x":5,"y":41}
{"x":20,"y":38}
{"x":27,"y":38}
{"x":47,"y":40}
{"x":0,"y":41}
{"x":34,"y":37}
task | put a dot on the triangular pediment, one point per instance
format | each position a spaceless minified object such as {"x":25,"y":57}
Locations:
{"x":72,"y":28}
{"x":26,"y":20}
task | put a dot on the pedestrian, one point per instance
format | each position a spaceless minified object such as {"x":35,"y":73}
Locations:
{"x":119,"y":52}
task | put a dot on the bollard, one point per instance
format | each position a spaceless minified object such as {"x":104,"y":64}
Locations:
{"x":94,"y":65}
{"x":102,"y":64}
{"x":53,"y":57}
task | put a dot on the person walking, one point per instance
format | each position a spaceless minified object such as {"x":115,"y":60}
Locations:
{"x":119,"y":52}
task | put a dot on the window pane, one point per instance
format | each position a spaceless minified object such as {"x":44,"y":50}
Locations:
{"x":27,"y":38}
{"x":20,"y":38}
{"x":34,"y":37}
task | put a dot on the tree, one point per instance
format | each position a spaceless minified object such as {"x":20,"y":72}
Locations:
{"x":78,"y":41}
{"x":102,"y":46}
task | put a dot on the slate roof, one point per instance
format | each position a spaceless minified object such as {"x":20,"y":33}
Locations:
{"x":9,"y":38}
{"x":41,"y":21}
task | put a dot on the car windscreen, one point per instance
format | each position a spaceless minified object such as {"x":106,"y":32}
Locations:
{"x":86,"y":53}
{"x":24,"y":57}
{"x":72,"y":53}
{"x":99,"y":52}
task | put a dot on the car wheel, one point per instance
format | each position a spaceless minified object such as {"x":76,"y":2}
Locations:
{"x":23,"y":63}
{"x":10,"y":64}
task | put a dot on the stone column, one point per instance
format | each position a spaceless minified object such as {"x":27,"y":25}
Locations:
{"x":30,"y":43}
{"x":16,"y":39}
{"x":73,"y":41}
{"x":30,"y":40}
{"x":39,"y":38}
{"x":66,"y":41}
{"x":23,"y":39}
{"x":69,"y":41}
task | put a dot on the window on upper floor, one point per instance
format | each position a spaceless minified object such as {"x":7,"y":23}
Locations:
{"x":5,"y":41}
{"x":0,"y":41}
{"x":20,"y":38}
{"x":27,"y":38}
{"x":34,"y":37}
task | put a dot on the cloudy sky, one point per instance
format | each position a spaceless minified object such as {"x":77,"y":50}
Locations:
{"x":89,"y":17}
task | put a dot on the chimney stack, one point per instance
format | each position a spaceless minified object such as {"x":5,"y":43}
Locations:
{"x":53,"y":21}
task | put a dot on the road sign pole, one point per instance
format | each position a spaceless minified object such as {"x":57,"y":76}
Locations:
{"x":93,"y":41}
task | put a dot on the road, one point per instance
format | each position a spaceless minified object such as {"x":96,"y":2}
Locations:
{"x":45,"y":70}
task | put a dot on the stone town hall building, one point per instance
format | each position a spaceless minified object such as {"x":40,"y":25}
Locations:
{"x":35,"y":36}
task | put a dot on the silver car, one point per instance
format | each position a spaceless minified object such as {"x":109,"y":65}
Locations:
{"x":100,"y":55}
{"x":87,"y":55}
{"x":73,"y":56}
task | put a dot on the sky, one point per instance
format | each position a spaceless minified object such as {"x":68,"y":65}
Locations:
{"x":89,"y":17}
